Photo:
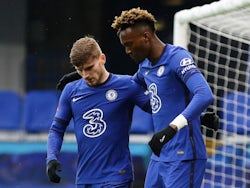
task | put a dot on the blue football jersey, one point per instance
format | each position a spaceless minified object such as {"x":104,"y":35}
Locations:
{"x":177,"y":87}
{"x":102,"y":121}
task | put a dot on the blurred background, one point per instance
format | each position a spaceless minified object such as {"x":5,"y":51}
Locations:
{"x":35,"y":41}
{"x":36,"y":36}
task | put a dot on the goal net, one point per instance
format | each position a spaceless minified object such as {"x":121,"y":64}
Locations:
{"x":218,"y":37}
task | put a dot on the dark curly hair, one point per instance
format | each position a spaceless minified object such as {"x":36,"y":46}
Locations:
{"x":132,"y":17}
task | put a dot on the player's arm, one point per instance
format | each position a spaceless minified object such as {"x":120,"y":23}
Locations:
{"x":67,"y":78}
{"x":208,"y":119}
{"x":139,"y":79}
{"x":202,"y":98}
{"x":55,"y":137}
{"x":54,"y":143}
{"x":141,"y":97}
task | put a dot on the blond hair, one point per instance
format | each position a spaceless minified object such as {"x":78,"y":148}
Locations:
{"x":83,"y":49}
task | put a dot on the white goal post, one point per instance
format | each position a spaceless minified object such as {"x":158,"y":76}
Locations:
{"x":218,"y":37}
{"x":182,"y":18}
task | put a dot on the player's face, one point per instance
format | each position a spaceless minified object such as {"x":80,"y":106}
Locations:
{"x":93,"y":70}
{"x":136,"y":44}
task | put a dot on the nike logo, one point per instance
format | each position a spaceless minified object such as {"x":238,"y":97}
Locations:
{"x":76,"y":99}
{"x":162,"y":139}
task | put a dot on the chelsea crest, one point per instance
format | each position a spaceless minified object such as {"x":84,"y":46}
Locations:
{"x":111,"y":95}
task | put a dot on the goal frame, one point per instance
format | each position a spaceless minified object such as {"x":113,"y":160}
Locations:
{"x":181,"y":32}
{"x":228,"y":161}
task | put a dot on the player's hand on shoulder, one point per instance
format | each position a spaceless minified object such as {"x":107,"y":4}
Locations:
{"x":53,"y":167}
{"x":67,"y":78}
{"x":160,"y":138}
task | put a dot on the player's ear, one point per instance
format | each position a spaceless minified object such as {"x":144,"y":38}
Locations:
{"x":103,"y":58}
{"x":147,"y":35}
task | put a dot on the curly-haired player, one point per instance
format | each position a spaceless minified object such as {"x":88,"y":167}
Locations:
{"x":179,"y":93}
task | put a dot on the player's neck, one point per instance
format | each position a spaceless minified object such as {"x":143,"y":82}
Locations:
{"x":105,"y":77}
{"x":157,"y":51}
